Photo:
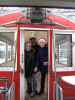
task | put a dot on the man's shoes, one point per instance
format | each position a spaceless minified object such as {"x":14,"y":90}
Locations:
{"x":32,"y":94}
{"x":36,"y":93}
{"x":40,"y":93}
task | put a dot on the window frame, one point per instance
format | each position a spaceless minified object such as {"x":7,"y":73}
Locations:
{"x":61,"y":69}
{"x":60,"y":49}
{"x":14,"y":31}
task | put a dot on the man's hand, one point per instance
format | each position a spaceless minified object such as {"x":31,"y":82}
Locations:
{"x":45,"y":63}
{"x":35,"y":69}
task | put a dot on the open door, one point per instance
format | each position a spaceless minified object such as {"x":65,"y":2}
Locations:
{"x":22,"y":80}
{"x":63,"y":64}
{"x":26,"y":35}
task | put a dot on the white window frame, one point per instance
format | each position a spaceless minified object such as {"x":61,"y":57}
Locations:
{"x":63,"y":69}
{"x":13,"y":30}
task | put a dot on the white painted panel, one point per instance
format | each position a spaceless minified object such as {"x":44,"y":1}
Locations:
{"x":22,"y":82}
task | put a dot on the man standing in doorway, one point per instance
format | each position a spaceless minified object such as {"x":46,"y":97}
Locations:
{"x":42,"y":62}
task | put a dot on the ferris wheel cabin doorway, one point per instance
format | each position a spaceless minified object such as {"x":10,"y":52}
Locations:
{"x":26,"y":34}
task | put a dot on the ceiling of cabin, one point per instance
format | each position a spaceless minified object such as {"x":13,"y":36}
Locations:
{"x":49,"y":3}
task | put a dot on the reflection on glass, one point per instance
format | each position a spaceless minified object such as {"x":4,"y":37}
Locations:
{"x":7,"y":49}
{"x":9,"y":52}
{"x":2,"y":52}
{"x":62,"y":54}
{"x":13,"y":52}
{"x":64,"y":50}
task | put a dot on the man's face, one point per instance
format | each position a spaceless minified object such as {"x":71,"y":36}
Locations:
{"x":33,"y":42}
{"x":42,"y":44}
{"x":28,"y":46}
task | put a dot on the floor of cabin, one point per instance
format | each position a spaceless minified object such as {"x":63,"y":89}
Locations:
{"x":37,"y":97}
{"x":42,"y":97}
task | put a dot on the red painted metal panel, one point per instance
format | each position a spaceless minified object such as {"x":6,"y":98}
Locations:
{"x":17,"y":74}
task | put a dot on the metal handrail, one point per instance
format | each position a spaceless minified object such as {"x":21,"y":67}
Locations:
{"x":11,"y":92}
{"x":59,"y":92}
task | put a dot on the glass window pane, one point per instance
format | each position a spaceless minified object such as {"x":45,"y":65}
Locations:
{"x":7,"y":49}
{"x":63,"y":50}
{"x":2,"y":51}
{"x":9,"y":52}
